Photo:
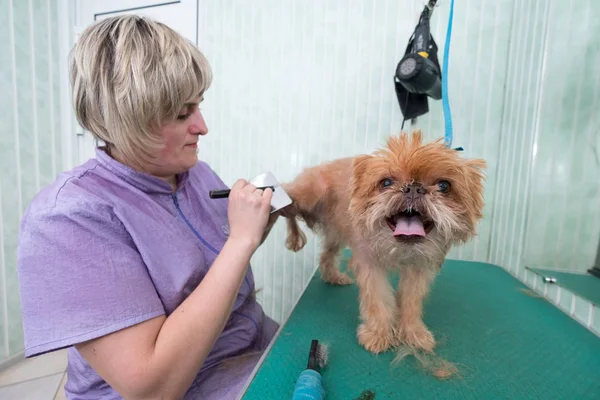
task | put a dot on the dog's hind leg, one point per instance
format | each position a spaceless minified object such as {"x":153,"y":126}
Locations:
{"x":328,"y":264}
{"x":306,"y":191}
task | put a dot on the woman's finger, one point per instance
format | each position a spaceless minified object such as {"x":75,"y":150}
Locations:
{"x":239,"y":184}
{"x":267,"y":196}
{"x":249,"y":188}
{"x":268,"y":192}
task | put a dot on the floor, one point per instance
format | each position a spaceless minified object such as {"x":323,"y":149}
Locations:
{"x":39,"y":378}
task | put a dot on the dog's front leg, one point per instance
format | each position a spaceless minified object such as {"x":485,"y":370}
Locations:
{"x":413,"y":288}
{"x":377,"y":307}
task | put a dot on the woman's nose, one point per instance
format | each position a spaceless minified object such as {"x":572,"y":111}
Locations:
{"x":198,"y":125}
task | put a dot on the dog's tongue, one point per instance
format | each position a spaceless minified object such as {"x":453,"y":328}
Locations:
{"x":409,"y":226}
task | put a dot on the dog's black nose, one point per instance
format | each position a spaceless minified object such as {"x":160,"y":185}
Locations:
{"x":414,"y":191}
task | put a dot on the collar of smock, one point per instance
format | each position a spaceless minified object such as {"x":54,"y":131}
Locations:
{"x":145,"y":182}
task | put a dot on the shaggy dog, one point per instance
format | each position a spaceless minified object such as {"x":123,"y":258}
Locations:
{"x":400,"y":208}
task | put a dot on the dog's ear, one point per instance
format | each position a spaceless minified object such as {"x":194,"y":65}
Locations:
{"x":476,"y":163}
{"x":360,"y":168}
{"x":474,"y":172}
{"x":474,"y":182}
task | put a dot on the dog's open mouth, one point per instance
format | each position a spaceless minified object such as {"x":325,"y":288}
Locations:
{"x":409,"y":224}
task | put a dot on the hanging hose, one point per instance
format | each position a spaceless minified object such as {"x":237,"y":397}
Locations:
{"x":445,"y":100}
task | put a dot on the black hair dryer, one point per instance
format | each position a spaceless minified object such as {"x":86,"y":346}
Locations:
{"x":418,"y":74}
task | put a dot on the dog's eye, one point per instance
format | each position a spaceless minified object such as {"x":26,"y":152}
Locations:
{"x":387,"y":182}
{"x":443,"y":186}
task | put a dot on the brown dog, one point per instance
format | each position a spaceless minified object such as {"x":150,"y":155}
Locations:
{"x":402,"y":207}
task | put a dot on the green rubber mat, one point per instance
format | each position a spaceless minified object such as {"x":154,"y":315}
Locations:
{"x":506,"y":344}
{"x":583,"y":285}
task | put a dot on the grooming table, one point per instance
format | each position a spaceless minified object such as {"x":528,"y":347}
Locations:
{"x":505,"y":343}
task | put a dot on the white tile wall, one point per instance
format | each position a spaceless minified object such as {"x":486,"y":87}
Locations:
{"x":30,"y":147}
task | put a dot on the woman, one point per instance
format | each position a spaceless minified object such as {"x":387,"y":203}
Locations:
{"x":125,"y":259}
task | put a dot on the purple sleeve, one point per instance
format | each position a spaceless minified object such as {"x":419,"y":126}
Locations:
{"x":81,"y":277}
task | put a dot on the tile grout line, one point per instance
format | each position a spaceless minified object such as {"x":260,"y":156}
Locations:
{"x":4,"y":287}
{"x":36,"y":378}
{"x":51,"y":80}
{"x":590,"y":319}
{"x":34,"y":97}
{"x":58,"y":387}
{"x":13,"y":56}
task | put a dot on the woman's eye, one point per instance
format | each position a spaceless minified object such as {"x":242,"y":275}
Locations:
{"x":187,"y":111}
{"x":387,"y":182}
{"x":443,"y":186}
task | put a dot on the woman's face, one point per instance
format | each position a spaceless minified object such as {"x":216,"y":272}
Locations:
{"x":180,"y":138}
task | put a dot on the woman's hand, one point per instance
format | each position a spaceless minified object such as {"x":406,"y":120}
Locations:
{"x":248,"y":212}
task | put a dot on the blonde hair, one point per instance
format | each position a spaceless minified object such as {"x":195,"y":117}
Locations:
{"x":129,"y":74}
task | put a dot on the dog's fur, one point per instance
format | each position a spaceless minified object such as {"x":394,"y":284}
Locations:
{"x":346,"y":203}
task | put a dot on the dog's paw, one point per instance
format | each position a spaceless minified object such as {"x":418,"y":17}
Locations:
{"x":416,"y":335}
{"x":336,"y":278}
{"x":375,"y":340}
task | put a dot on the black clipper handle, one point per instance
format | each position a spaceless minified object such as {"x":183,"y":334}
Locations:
{"x":224,"y":193}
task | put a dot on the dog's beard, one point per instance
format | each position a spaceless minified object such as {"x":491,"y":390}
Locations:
{"x":449,"y":222}
{"x":443,"y":225}
{"x":415,"y":200}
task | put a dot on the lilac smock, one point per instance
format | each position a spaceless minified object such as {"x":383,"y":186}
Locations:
{"x":106,"y":247}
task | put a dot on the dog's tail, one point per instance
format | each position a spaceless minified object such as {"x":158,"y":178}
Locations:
{"x":296,"y":239}
{"x":307,"y":191}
